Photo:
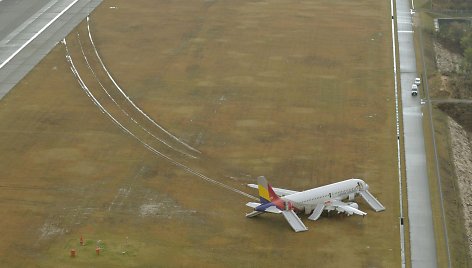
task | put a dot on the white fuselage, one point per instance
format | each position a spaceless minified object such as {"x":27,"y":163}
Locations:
{"x":307,"y":200}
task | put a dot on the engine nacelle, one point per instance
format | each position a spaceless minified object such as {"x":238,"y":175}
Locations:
{"x":353,"y":205}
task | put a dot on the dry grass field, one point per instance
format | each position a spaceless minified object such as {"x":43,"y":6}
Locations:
{"x":298,"y":91}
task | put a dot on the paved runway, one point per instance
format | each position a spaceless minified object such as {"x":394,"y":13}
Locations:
{"x":30,"y":29}
{"x":422,"y":240}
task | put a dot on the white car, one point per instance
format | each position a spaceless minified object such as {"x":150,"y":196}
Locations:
{"x":417,"y":81}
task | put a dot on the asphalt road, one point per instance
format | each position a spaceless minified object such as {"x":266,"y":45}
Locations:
{"x":30,"y":29}
{"x":422,"y":240}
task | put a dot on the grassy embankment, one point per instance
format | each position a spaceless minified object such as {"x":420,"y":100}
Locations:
{"x":451,"y":199}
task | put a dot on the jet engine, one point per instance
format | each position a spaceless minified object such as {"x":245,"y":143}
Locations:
{"x":353,"y":204}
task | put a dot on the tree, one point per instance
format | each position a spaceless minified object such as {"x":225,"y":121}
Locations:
{"x":466,"y":40}
{"x":451,"y":35}
{"x":466,"y":44}
{"x":467,"y":64}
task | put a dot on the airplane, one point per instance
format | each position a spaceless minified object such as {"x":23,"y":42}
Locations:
{"x":313,"y":201}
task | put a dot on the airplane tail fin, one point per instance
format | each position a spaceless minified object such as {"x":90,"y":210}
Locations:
{"x":266,"y":193}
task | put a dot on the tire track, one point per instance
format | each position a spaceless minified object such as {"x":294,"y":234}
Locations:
{"x":121,"y":108}
{"x":128,"y":98}
{"x":146,"y":145}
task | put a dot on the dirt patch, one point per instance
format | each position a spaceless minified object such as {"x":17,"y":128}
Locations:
{"x":462,"y":155}
{"x":444,"y":81}
{"x":49,"y":230}
{"x":446,"y":61}
{"x":159,"y":206}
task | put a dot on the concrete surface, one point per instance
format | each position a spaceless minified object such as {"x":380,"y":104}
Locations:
{"x":422,"y":241}
{"x":30,"y":29}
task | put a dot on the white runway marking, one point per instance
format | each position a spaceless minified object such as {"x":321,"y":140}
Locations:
{"x":37,"y":34}
{"x":397,"y":119}
{"x":25,"y":24}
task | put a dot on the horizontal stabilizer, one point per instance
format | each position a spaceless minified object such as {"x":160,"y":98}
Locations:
{"x":294,"y":221}
{"x":271,"y":209}
{"x":254,"y":213}
{"x":372,"y":201}
{"x":253,"y":204}
{"x":317,"y":212}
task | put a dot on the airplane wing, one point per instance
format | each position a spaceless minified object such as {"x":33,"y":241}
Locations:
{"x":279,"y":191}
{"x":346,"y":208}
{"x":350,"y":210}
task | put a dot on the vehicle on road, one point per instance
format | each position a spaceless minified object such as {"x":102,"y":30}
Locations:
{"x":417,"y":81}
{"x":414,"y":90}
